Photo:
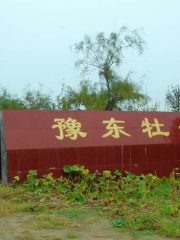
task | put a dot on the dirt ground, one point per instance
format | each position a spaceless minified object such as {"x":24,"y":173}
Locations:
{"x":35,"y":226}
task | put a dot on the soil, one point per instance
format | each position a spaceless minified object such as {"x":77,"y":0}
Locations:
{"x":91,"y":227}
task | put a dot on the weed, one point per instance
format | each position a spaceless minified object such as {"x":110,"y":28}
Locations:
{"x":118,"y":223}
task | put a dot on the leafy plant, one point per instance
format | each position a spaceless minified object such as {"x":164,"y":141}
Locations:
{"x":118,"y":222}
{"x":32,"y":181}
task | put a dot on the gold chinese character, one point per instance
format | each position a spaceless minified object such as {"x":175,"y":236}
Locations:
{"x":149,"y":128}
{"x":114,"y":129}
{"x":61,"y":126}
{"x":71,"y":127}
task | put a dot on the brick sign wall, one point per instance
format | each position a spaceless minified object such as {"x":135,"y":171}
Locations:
{"x":138,"y":142}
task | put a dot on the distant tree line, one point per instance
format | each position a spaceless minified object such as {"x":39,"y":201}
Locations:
{"x":85,"y":97}
{"x":31,"y":99}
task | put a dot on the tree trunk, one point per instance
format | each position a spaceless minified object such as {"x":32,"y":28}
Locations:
{"x":107,"y":107}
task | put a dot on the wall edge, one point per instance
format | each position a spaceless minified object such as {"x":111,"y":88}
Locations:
{"x":3,"y":152}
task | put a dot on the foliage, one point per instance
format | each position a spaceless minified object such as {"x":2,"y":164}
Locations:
{"x":173,"y":98}
{"x":37,"y":99}
{"x":118,"y":223}
{"x":137,"y":204}
{"x":125,"y":95}
{"x":88,"y":96}
{"x":32,"y":99}
{"x":10,"y":101}
{"x":105,"y":55}
{"x":141,"y":104}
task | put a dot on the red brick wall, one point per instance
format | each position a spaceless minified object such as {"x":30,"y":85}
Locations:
{"x":138,"y":142}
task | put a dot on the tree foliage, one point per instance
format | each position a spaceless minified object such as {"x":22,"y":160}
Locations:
{"x":173,"y":98}
{"x":105,"y":55}
{"x":93,"y":96}
{"x":37,"y":99}
{"x":88,"y":96}
{"x":32,"y":99}
{"x":10,"y":101}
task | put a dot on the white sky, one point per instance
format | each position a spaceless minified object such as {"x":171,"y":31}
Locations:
{"x":35,"y":39}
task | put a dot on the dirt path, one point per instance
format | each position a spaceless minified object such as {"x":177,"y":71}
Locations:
{"x":28,"y":226}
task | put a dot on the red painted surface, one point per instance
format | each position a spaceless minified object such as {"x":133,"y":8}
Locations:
{"x":31,"y":142}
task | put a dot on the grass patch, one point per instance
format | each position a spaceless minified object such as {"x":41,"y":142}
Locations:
{"x":50,"y":222}
{"x":74,"y":213}
{"x":6,"y":208}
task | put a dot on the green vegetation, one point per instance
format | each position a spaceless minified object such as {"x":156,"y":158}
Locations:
{"x":87,"y":96}
{"x":173,"y":98}
{"x":72,"y":235}
{"x":10,"y":101}
{"x":139,"y":205}
{"x":128,"y":95}
{"x":31,"y":99}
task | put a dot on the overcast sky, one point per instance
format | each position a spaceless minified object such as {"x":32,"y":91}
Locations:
{"x":35,"y":39}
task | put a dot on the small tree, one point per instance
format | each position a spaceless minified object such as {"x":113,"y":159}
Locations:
{"x":106,"y":54}
{"x":173,"y":98}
